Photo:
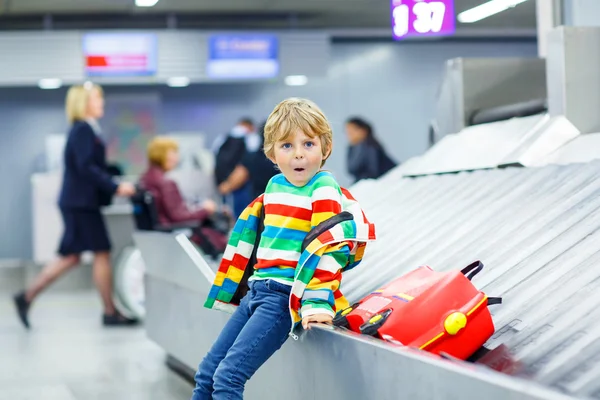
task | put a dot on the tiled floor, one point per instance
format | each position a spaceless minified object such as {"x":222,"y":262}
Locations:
{"x":68,"y":355}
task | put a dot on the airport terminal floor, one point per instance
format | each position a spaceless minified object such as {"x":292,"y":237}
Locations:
{"x":69,"y":356}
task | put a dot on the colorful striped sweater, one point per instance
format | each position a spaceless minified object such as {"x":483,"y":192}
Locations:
{"x":340,"y":231}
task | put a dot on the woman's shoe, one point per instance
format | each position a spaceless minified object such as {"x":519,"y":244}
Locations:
{"x":118,"y":320}
{"x":22,"y":308}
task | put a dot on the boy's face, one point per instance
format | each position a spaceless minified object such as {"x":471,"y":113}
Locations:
{"x":299,"y":157}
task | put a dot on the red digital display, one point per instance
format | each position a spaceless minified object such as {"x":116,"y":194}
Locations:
{"x":116,"y":54}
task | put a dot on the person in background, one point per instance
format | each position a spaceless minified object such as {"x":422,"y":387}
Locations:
{"x":163,"y":156}
{"x":255,"y":168}
{"x":253,"y":139}
{"x":366,"y":157}
{"x":86,"y":187}
{"x":230,"y":153}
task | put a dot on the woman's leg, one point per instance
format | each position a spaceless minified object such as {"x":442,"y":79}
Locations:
{"x":103,"y":279}
{"x":219,"y":349}
{"x":263,"y":334}
{"x":49,"y":274}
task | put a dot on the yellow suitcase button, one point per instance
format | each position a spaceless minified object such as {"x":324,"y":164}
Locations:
{"x":347,"y":311}
{"x":455,"y":322}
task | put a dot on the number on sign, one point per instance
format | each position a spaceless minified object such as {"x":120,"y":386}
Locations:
{"x":400,"y":15}
{"x":429,"y":16}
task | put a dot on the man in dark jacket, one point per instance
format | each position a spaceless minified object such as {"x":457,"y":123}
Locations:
{"x":229,"y":154}
{"x":255,"y":168}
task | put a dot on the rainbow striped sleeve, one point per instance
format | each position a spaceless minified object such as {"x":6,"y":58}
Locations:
{"x":326,"y":268}
{"x":236,"y":256}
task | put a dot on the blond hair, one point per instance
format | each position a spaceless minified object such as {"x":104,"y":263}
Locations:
{"x":77,"y":100}
{"x":293,"y":115}
{"x":158,"y":149}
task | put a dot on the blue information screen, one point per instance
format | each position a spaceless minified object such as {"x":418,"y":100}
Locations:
{"x":243,"y":56}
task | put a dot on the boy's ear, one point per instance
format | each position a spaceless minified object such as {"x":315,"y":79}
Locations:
{"x":328,"y":152}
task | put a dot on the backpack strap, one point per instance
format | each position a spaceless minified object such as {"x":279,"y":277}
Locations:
{"x":324,"y":227}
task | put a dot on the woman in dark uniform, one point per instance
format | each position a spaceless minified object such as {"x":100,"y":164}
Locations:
{"x":86,"y":187}
{"x":366,"y":157}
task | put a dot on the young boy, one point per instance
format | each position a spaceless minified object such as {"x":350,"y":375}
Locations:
{"x":313,"y":230}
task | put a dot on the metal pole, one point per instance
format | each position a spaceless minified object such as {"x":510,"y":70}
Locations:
{"x":549,"y":14}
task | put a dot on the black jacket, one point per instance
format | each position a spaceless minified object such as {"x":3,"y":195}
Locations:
{"x":260,"y":169}
{"x":230,"y":154}
{"x":86,"y":182}
{"x":368,"y":160}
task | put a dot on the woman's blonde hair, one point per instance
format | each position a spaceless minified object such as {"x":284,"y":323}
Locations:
{"x":77,"y":100}
{"x":295,"y":114}
{"x":158,"y":149}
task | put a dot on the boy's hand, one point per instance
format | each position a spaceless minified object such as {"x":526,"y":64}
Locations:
{"x":322,"y":318}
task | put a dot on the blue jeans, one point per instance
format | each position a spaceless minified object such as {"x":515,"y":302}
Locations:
{"x":239,"y":199}
{"x":256,"y":330}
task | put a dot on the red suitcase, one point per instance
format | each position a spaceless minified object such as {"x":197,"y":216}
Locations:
{"x":440,"y":312}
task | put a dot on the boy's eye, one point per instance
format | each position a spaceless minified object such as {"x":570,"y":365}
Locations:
{"x":309,"y":144}
{"x":286,"y":146}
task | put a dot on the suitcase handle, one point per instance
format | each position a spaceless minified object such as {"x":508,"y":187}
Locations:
{"x":494,"y":300}
{"x":472,"y":269}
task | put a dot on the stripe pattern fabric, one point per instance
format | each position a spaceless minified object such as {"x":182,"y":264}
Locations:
{"x":290,"y":213}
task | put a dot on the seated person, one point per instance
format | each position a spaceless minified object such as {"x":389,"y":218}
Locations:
{"x":163,"y":156}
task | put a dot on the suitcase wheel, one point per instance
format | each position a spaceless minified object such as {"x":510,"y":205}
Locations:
{"x":340,"y":319}
{"x":371,"y":327}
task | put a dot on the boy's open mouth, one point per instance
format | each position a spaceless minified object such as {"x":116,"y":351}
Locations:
{"x":298,"y":169}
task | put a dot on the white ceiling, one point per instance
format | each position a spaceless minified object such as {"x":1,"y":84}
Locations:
{"x":309,"y":13}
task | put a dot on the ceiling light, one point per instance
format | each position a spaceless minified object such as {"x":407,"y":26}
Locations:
{"x":486,"y":10}
{"x":50,"y":83}
{"x":178,"y":81}
{"x":296,"y":80}
{"x":146,"y":3}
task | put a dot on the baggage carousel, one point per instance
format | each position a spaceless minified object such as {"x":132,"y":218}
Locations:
{"x":535,"y":229}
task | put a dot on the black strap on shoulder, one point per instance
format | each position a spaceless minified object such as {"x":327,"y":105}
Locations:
{"x":243,"y":286}
{"x":325,"y":226}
